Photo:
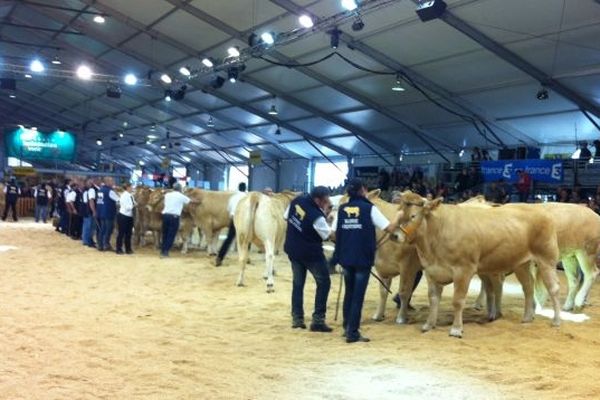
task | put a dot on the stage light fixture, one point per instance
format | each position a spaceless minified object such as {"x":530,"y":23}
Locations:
{"x":130,"y":79}
{"x":398,"y":85}
{"x":233,"y":74}
{"x":349,"y":5}
{"x":211,"y":122}
{"x":542,"y":94}
{"x":179,"y":95}
{"x":56,"y":61}
{"x":99,"y":142}
{"x":185,"y":70}
{"x":335,"y":38}
{"x":278,"y":131}
{"x":121,"y":134}
{"x":168,"y":94}
{"x":166,"y":79}
{"x":207,"y":62}
{"x":142,"y":163}
{"x":12,"y":96}
{"x":306,"y":21}
{"x":163,"y":146}
{"x":268,"y":38}
{"x":430,"y":10}
{"x":113,"y":92}
{"x":152,"y":127}
{"x":358,"y":24}
{"x":28,"y":76}
{"x":233,"y":51}
{"x":84,"y":72}
{"x":99,"y":19}
{"x":217,"y":82}
{"x":37,"y":66}
{"x":125,"y":124}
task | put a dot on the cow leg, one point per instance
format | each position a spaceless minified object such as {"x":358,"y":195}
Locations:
{"x":498,"y":285}
{"x":526,"y":279}
{"x":570,"y":266}
{"x":407,"y":281}
{"x":461,"y":287}
{"x":213,"y":241}
{"x":242,"y":258}
{"x":481,"y":298}
{"x":590,"y":271}
{"x":487,"y":288}
{"x":548,"y":274}
{"x":383,"y":295}
{"x":270,"y":259}
{"x":434,"y":291}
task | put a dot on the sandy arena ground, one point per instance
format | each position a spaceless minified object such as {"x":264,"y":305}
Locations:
{"x":78,"y":324}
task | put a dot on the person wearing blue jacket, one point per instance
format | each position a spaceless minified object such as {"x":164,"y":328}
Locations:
{"x":106,"y":205}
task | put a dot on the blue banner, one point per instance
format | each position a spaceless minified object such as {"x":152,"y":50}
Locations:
{"x":539,"y":170}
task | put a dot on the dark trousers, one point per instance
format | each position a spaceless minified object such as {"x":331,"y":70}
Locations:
{"x":12,"y":205}
{"x":76,"y":226}
{"x":170,"y":226}
{"x":523,"y":197}
{"x":41,"y":212}
{"x":125,"y":224}
{"x":228,"y":240}
{"x":64,"y":221}
{"x":356,"y":281}
{"x":320,"y":273}
{"x":106,"y":227}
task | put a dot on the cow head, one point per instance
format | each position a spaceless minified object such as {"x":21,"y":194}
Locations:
{"x":413,"y":210}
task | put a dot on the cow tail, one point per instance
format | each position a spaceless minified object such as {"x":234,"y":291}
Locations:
{"x":254,"y":201}
{"x":539,"y":289}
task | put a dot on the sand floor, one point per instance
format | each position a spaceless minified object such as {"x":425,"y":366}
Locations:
{"x":79,"y":324}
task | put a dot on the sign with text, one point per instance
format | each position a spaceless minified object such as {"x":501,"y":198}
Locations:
{"x":29,"y":144}
{"x":550,"y":171}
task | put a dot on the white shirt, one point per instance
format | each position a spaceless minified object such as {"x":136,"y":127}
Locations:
{"x":174,"y":202}
{"x":91,"y":193}
{"x":71,"y":196}
{"x":378,"y":219}
{"x":126,"y":204}
{"x":234,"y":201}
{"x":320,"y":225}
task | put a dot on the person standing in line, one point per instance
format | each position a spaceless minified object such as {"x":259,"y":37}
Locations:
{"x":73,"y":203}
{"x":523,"y":185}
{"x":88,"y":213}
{"x":125,"y":220}
{"x":355,"y":249}
{"x":43,"y":196}
{"x":12,"y":192}
{"x":231,"y":206}
{"x":53,"y":196}
{"x":62,"y":207}
{"x":307,"y":228}
{"x":107,"y":212}
{"x":174,"y":203}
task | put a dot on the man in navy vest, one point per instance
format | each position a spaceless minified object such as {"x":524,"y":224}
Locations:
{"x":89,"y":214}
{"x":355,"y":246}
{"x":76,"y":211}
{"x":12,"y":192}
{"x":307,"y":228}
{"x":43,"y":197}
{"x":107,"y":212}
{"x":62,"y":207}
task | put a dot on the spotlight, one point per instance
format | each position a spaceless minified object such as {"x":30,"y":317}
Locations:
{"x":461,"y":153}
{"x":185,"y":71}
{"x":233,"y":51}
{"x":99,"y":142}
{"x":56,"y":61}
{"x":121,"y":134}
{"x":152,"y":127}
{"x":349,"y":4}
{"x":335,"y":38}
{"x":166,"y":79}
{"x":28,"y":76}
{"x":37,"y":66}
{"x":217,"y":82}
{"x":125,"y":124}
{"x":211,"y":122}
{"x":273,"y":110}
{"x":358,"y":24}
{"x":84,"y":72}
{"x":542,"y":94}
{"x":268,"y":38}
{"x":401,"y":157}
{"x":168,"y":94}
{"x":398,"y":85}
{"x":278,"y":131}
{"x":233,"y":74}
{"x":207,"y":62}
{"x":130,"y":79}
{"x":142,"y":163}
{"x":163,"y":146}
{"x":12,"y":96}
{"x":99,"y":19}
{"x":306,"y":21}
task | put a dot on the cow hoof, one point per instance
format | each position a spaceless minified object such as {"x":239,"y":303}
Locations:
{"x":212,"y":254}
{"x":240,"y":284}
{"x":555,"y":324}
{"x":478,"y":306}
{"x":270,"y":289}
{"x":567,"y":308}
{"x":401,"y":321}
{"x":426,"y":328}
{"x":527,"y":320}
{"x":378,"y":317}
{"x":578,"y":309}
{"x":456,"y":332}
{"x":493,"y":317}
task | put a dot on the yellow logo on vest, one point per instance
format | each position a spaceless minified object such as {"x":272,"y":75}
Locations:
{"x":352,"y":212}
{"x":300,"y":212}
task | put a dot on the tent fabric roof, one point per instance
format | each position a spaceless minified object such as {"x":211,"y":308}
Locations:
{"x":329,"y":109}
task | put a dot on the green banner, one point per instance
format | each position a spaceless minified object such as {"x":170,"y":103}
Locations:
{"x":28,"y":144}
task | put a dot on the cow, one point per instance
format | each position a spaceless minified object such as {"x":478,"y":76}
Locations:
{"x":454,"y":243}
{"x":210,"y":214}
{"x":578,"y":238}
{"x":142,"y":215}
{"x":259,"y":219}
{"x":392,"y":258}
{"x":2,"y":197}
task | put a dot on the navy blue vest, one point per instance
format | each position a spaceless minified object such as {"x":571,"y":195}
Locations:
{"x":355,"y":240}
{"x":79,"y":204}
{"x":12,"y":192}
{"x":106,"y":207}
{"x":62,"y":206}
{"x":42,"y":197}
{"x":302,"y":242}
{"x":87,"y":209}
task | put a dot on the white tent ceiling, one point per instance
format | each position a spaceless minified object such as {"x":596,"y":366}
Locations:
{"x":329,"y":109}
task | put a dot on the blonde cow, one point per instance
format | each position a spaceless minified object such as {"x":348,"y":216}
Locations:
{"x":454,"y":243}
{"x":259,"y":219}
{"x":210,"y":214}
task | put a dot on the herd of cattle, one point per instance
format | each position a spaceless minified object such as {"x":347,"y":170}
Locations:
{"x":450,"y":243}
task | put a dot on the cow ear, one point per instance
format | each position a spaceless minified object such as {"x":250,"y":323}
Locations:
{"x":433,"y":204}
{"x":374,"y":194}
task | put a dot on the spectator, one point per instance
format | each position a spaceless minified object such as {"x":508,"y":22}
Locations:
{"x":476,"y":155}
{"x":597,"y":146}
{"x":523,"y":185}
{"x":585,"y":154}
{"x":462,"y":181}
{"x":563,"y":196}
{"x":475,"y":180}
{"x":485,"y":156}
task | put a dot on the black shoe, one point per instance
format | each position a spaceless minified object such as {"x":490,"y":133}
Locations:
{"x":101,"y":249}
{"x":109,"y":248}
{"x":218,"y":262}
{"x":360,"y":338}
{"x":321,"y":327}
{"x":298,"y":324}
{"x":119,"y":252}
{"x":129,"y":252}
{"x":93,"y":245}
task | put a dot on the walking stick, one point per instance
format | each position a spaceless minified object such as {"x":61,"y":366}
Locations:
{"x":337,"y":303}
